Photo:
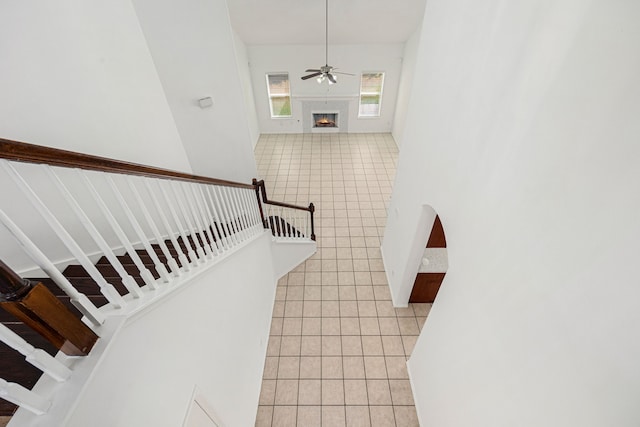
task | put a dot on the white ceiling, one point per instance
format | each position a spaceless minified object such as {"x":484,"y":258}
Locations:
{"x":260,"y":22}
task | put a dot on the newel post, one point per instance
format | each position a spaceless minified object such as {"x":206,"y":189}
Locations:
{"x":312,"y":209}
{"x":39,"y":309}
{"x":256,"y":185}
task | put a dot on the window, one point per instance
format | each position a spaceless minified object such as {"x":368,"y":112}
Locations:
{"x":279,"y":94}
{"x":370,"y":94}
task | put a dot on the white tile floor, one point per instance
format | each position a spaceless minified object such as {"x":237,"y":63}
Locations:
{"x":338,"y":347}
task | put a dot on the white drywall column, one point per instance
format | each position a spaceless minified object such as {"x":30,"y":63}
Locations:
{"x":193,"y":50}
{"x":522,"y":133}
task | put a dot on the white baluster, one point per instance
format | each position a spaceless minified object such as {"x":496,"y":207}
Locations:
{"x":23,"y":397}
{"x":165,"y":222}
{"x":208,"y":231}
{"x":200,"y":228}
{"x":80,"y":301}
{"x":249,"y":209}
{"x":181,"y":230}
{"x":185,"y":215}
{"x":233,"y":195}
{"x":237,"y":216}
{"x":218,"y":213}
{"x":127,"y":280}
{"x":225,"y":212}
{"x":145,"y":274}
{"x":209,"y":209}
{"x":159,"y":266}
{"x":154,"y":229}
{"x":37,"y":357}
{"x":105,"y":288}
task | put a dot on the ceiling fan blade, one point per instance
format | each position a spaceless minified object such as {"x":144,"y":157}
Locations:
{"x":311,"y":71}
{"x":331,"y":78}
{"x":340,"y":72}
{"x":312,"y":75}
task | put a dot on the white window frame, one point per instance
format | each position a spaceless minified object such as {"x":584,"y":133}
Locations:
{"x":360,"y":115}
{"x":272,"y":96}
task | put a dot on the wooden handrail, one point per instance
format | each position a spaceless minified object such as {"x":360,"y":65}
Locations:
{"x":259,"y":186}
{"x":31,"y":153}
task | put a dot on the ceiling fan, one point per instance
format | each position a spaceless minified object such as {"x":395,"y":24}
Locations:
{"x":326,"y":72}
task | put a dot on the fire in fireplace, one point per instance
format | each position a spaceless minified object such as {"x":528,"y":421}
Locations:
{"x":325,"y":120}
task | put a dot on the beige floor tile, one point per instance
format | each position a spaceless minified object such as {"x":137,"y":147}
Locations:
{"x":408,"y":326}
{"x":382,"y":416}
{"x":347,"y":293}
{"x":349,"y":326}
{"x":310,"y":367}
{"x":379,"y":392}
{"x":290,"y":346}
{"x":312,"y":292}
{"x":292,"y":326}
{"x":273,"y":347}
{"x":349,"y":308}
{"x":369,"y":326}
{"x":264,"y":417}
{"x":286,"y":392}
{"x":333,"y":416}
{"x":330,"y":326}
{"x":375,"y":367}
{"x":331,"y":345}
{"x":396,"y":367}
{"x":367,"y":309}
{"x":358,"y":416}
{"x":372,"y":345}
{"x":309,"y":392}
{"x":401,"y":393}
{"x":289,"y":367}
{"x":309,"y":416}
{"x":351,"y":345}
{"x":392,"y":345}
{"x":268,"y":392}
{"x":330,"y":308}
{"x":355,"y":392}
{"x":406,"y":416}
{"x":270,"y":367}
{"x":332,"y":392}
{"x":409,"y":342}
{"x":353,"y":367}
{"x":284,"y":416}
{"x":293,"y":309}
{"x":311,"y":345}
{"x":312,"y":309}
{"x":276,"y":326}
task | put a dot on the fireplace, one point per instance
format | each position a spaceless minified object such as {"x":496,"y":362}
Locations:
{"x":325,"y":121}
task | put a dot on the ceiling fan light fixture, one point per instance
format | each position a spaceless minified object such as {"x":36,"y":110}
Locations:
{"x":320,"y":79}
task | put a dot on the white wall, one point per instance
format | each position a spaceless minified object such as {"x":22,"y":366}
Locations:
{"x":242,"y":58}
{"x":355,"y":59}
{"x":406,"y":85}
{"x":78,"y":76}
{"x":212,"y":334}
{"x":524,"y":139}
{"x":193,"y":50}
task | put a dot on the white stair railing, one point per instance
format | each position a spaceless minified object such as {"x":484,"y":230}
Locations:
{"x":153,"y":228}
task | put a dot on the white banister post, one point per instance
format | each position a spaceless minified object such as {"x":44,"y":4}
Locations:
{"x":145,"y":274}
{"x":37,"y":357}
{"x":106,"y":289}
{"x":159,"y":266}
{"x":233,"y":195}
{"x":165,"y":222}
{"x":181,"y":230}
{"x":233,"y":203}
{"x":154,"y":230}
{"x":214,"y":227}
{"x":185,"y":215}
{"x":200,"y":227}
{"x":208,"y":229}
{"x":23,"y":397}
{"x":127,"y":280}
{"x":80,"y":301}
{"x":225,"y":211}
{"x":219,"y":216}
